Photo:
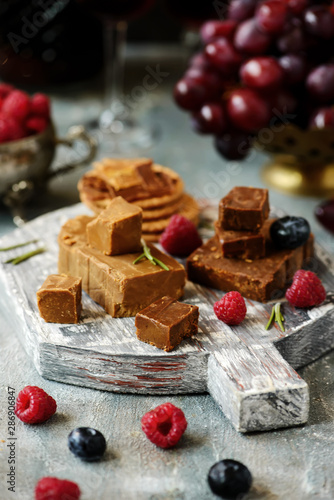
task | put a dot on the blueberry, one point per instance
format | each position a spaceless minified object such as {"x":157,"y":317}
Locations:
{"x":87,"y":443}
{"x":229,"y":479}
{"x":290,"y":232}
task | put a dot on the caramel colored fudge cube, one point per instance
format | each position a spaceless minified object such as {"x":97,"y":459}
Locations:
{"x":59,"y":299}
{"x":166,"y":322}
{"x":261,"y":279}
{"x":117,"y":229}
{"x":114,"y":281}
{"x":244,"y":209}
{"x":243,"y":244}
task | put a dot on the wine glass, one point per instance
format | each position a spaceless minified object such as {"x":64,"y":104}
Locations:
{"x":118,"y":130}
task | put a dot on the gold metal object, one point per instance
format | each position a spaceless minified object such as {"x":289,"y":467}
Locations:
{"x":302,"y":160}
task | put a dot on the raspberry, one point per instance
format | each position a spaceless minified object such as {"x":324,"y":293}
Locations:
{"x":52,"y":488}
{"x":5,"y":89}
{"x":36,"y":124}
{"x":16,"y":105}
{"x":164,"y":425}
{"x":40,"y":105}
{"x":306,"y":290}
{"x":16,"y":129}
{"x":34,"y":405}
{"x":180,"y":237}
{"x":10,"y":129}
{"x":231,"y":309}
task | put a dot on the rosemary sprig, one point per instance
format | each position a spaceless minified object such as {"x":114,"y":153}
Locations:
{"x":147,"y":254}
{"x":138,"y":258}
{"x":206,"y":225}
{"x":271,"y":318}
{"x":18,"y":245}
{"x":277,"y":314}
{"x":25,"y":256}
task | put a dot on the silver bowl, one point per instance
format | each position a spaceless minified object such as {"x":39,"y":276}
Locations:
{"x":25,"y":163}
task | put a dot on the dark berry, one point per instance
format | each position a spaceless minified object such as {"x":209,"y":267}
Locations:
{"x":290,"y":232}
{"x":229,"y":479}
{"x":87,"y":443}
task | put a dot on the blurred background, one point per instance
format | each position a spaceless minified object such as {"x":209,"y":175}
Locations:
{"x":65,"y":44}
{"x":147,"y":72}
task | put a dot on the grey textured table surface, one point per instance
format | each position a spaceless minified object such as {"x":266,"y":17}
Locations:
{"x":291,"y":464}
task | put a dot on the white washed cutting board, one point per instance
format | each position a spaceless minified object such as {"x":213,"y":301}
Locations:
{"x":250,"y":372}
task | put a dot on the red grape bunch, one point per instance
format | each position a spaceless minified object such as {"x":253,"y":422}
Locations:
{"x":269,"y":60}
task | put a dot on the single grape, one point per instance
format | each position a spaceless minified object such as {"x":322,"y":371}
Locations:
{"x":208,"y":78}
{"x":321,"y":118}
{"x":240,"y":10}
{"x":320,"y":83}
{"x":247,"y":110}
{"x":223,"y":55}
{"x":199,"y":60}
{"x":283,"y":101}
{"x":248,"y":38}
{"x":294,"y":41}
{"x":294,"y":68}
{"x":234,"y":145}
{"x":325,"y":214}
{"x":191,"y":95}
{"x":210,"y":119}
{"x":271,"y":16}
{"x":211,"y":30}
{"x":296,"y":7}
{"x":319,"y":21}
{"x":261,"y":73}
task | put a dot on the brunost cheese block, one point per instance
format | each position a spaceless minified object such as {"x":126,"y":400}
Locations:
{"x":114,"y":282}
{"x":59,"y":299}
{"x":117,"y":229}
{"x":244,"y":209}
{"x":243,"y":244}
{"x":260,"y":279}
{"x":166,"y":322}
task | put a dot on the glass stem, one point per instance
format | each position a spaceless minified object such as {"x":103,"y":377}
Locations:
{"x":114,"y":54}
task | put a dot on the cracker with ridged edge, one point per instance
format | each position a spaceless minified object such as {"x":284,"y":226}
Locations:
{"x":98,"y":201}
{"x":189,"y":209}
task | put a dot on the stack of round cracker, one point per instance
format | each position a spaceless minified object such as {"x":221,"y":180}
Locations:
{"x":160,"y":198}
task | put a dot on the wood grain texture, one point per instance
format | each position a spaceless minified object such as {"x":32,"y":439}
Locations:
{"x":250,"y":372}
